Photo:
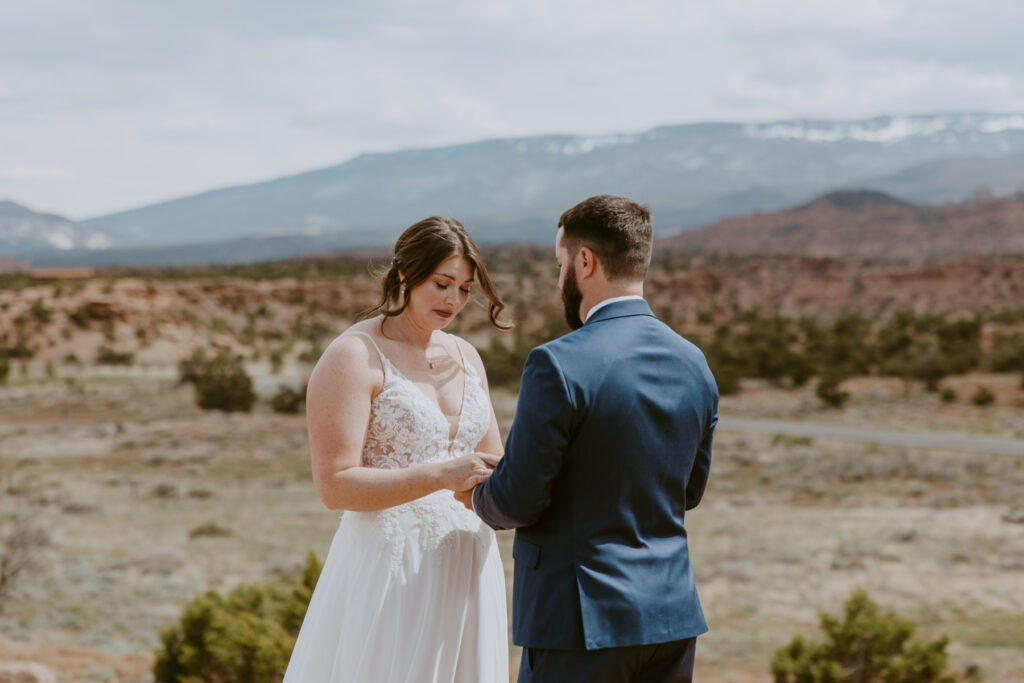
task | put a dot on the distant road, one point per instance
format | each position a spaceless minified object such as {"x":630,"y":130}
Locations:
{"x":949,"y":441}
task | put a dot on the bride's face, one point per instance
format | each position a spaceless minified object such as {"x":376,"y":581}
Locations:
{"x":436,"y":301}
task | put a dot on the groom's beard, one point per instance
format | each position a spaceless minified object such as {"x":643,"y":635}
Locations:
{"x":571,"y":299}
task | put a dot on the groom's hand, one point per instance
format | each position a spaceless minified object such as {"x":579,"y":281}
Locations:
{"x":466,"y":498}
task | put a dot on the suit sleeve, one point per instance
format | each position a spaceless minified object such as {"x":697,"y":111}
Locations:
{"x":702,"y":462}
{"x":519,"y":489}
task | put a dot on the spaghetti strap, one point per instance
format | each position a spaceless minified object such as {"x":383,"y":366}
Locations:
{"x":383,"y":359}
{"x":462,"y":355}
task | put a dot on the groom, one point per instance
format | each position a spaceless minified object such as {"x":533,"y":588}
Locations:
{"x":610,"y":445}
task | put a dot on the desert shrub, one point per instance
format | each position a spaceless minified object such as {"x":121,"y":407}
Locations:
{"x":504,"y":363}
{"x":313,"y":352}
{"x":221,"y":325}
{"x":929,"y":367}
{"x":5,"y":370}
{"x":208,"y":529}
{"x":764,"y":345}
{"x":948,"y":395}
{"x":108,"y":356}
{"x":81,"y":318}
{"x":928,"y":347}
{"x":828,"y":391}
{"x":800,"y":368}
{"x":192,"y":365}
{"x":1008,"y":316}
{"x":40,"y":312}
{"x":190,"y":318}
{"x":728,"y":377}
{"x":959,"y":343}
{"x":725,"y":361}
{"x":846,"y":346}
{"x":276,"y":358}
{"x":867,"y":644}
{"x":288,"y":400}
{"x":273,"y":334}
{"x":244,"y":637}
{"x":982,"y":397}
{"x":1007,"y":353}
{"x":19,"y":349}
{"x":223,"y":384}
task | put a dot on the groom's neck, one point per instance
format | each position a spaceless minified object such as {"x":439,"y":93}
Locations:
{"x":608,"y":289}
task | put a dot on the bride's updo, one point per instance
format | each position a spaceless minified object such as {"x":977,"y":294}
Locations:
{"x":418,"y":252}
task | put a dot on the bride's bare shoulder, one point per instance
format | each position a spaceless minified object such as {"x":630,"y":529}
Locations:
{"x":351,"y":352}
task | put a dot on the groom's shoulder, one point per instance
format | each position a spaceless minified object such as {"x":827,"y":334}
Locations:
{"x":566,"y":344}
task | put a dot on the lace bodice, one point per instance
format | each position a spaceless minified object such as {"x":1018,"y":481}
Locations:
{"x":407,"y":428}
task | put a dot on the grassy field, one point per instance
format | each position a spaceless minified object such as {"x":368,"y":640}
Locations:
{"x":125,"y":473}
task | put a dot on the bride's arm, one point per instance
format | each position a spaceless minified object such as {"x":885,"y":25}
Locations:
{"x":338,"y":398}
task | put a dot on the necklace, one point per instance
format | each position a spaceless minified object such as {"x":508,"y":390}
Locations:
{"x":430,"y":363}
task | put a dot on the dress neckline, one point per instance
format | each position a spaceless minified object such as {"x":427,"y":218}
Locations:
{"x":386,"y":362}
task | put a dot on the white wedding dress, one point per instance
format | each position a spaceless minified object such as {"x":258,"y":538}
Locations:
{"x":413,"y":593}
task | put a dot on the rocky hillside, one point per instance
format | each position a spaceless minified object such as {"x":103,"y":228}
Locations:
{"x":287,"y":312}
{"x":867,"y":225}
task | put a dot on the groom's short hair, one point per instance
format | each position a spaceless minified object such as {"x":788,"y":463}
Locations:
{"x":616,"y":229}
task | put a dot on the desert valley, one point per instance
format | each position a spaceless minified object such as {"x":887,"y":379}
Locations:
{"x":871,"y":436}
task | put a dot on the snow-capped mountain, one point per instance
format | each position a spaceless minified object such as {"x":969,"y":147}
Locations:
{"x":949,"y":128}
{"x":23,"y":231}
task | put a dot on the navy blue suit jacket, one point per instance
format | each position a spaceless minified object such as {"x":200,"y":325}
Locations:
{"x":610,"y":445}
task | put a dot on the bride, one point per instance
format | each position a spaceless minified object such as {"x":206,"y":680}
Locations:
{"x":399,"y":417}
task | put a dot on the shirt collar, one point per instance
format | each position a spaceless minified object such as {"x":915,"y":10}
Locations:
{"x":601,"y":304}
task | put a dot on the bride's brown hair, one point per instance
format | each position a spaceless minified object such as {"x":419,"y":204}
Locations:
{"x":418,"y":252}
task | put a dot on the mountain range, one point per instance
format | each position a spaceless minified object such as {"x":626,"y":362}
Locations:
{"x":513,"y":190}
{"x":870,"y":226}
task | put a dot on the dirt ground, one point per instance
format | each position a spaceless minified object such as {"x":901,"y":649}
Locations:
{"x":119,"y":470}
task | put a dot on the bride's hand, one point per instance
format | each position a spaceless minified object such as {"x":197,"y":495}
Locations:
{"x":463,"y":473}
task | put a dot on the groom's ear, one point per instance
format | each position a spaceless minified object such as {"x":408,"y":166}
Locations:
{"x":586,"y":261}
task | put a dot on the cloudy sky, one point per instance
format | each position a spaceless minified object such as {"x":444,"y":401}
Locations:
{"x":111,"y":104}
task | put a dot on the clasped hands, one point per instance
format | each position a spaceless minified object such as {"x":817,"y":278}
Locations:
{"x":462,"y":474}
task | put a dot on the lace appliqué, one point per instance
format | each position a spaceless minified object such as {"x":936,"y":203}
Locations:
{"x":406,"y":428}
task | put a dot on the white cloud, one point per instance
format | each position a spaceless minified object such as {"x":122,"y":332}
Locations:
{"x":36,"y":172}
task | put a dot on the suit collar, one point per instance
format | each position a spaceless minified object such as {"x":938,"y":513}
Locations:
{"x":620,"y":309}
